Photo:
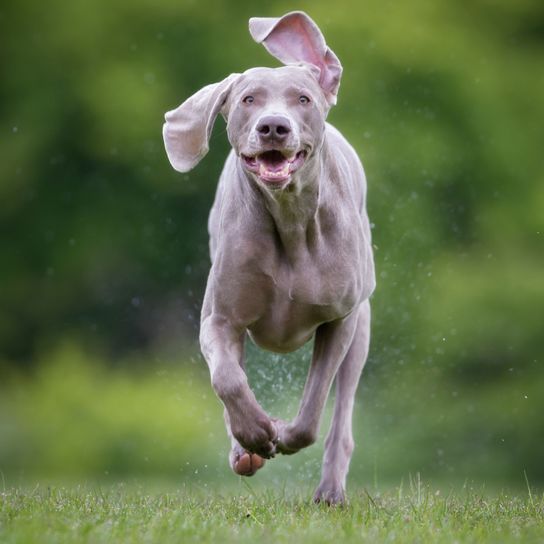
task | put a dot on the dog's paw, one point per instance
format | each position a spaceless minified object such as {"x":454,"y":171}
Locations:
{"x":282,"y":445}
{"x":331,"y":495}
{"x":255,"y":434}
{"x":290,"y":438}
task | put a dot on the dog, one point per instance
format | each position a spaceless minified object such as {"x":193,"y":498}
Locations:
{"x":290,"y":244}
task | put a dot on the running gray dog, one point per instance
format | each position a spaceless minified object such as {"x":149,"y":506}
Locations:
{"x":290,"y":244}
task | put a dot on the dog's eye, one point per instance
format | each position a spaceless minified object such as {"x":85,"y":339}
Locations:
{"x":248,"y":99}
{"x":303,"y":99}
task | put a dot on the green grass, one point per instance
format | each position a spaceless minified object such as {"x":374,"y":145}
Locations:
{"x":121,"y":514}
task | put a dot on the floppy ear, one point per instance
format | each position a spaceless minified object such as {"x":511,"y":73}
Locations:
{"x":295,"y":38}
{"x":188,"y":128}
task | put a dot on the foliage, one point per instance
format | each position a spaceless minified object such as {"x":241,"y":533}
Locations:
{"x":105,"y":245}
{"x":441,"y":101}
{"x":75,"y":418}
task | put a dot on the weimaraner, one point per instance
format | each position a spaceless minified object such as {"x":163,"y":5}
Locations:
{"x":290,"y":244}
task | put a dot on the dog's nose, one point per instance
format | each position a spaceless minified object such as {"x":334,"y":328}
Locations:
{"x":274,"y":127}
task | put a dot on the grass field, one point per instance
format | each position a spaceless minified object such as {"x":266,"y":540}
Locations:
{"x":128,"y":515}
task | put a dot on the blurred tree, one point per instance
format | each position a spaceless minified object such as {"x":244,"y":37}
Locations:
{"x":103,"y":240}
{"x":104,"y":243}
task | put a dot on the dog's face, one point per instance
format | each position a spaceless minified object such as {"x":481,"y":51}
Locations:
{"x":275,"y":116}
{"x":276,"y":121}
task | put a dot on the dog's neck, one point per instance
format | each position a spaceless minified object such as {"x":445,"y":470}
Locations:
{"x":294,"y":210}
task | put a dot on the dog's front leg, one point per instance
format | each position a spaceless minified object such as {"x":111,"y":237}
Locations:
{"x":332,"y":341}
{"x":222,"y":346}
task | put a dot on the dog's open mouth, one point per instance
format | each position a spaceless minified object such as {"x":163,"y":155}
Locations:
{"x":273,"y":166}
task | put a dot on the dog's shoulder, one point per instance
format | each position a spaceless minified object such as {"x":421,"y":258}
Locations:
{"x":338,"y":145}
{"x":344,"y":165}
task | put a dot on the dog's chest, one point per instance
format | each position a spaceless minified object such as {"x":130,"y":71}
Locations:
{"x":323,"y":284}
{"x":328,"y":280}
{"x":324,"y":270}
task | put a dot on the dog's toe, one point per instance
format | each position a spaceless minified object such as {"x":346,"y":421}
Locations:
{"x":247,"y":464}
{"x":330,"y":496}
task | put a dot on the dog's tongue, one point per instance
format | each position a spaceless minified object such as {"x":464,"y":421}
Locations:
{"x":273,"y":162}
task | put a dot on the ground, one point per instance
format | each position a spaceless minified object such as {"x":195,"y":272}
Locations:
{"x":118,"y":514}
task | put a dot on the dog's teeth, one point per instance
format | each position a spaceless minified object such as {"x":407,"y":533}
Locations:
{"x":277,"y":174}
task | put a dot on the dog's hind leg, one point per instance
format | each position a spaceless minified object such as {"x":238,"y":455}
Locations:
{"x":339,"y":443}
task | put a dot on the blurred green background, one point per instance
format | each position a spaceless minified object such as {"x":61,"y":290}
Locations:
{"x":104,"y":246}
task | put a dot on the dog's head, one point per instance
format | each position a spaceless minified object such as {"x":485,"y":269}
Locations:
{"x":275,"y":116}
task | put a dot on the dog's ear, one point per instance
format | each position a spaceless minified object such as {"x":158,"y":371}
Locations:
{"x":295,"y":38}
{"x":188,"y":128}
